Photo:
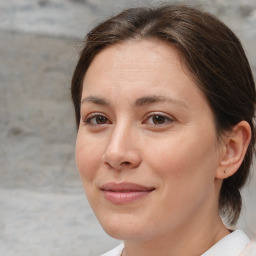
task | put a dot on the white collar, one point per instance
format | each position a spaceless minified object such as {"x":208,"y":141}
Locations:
{"x":230,"y":245}
{"x":117,"y":251}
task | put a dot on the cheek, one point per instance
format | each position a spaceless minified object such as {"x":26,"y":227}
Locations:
{"x":186,"y":162}
{"x":186,"y":182}
{"x":87,"y":158}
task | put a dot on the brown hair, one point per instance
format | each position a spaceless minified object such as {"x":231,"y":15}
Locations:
{"x":215,"y":58}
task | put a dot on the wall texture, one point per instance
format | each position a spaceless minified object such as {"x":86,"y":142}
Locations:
{"x":43,"y":210}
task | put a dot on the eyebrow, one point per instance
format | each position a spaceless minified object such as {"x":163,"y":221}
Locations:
{"x":95,"y":100}
{"x":145,"y":100}
{"x":156,"y":99}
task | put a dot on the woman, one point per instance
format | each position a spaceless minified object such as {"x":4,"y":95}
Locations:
{"x":165,"y":101}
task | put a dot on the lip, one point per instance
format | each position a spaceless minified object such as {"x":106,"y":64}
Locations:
{"x":125,"y":193}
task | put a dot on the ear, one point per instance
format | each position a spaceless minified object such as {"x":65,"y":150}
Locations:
{"x":235,"y":144}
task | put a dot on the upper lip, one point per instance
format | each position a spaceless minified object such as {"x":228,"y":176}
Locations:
{"x":125,"y":187}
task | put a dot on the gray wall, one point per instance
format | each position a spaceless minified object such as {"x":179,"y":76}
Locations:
{"x":43,"y":210}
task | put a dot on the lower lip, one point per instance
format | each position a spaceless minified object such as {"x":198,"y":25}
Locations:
{"x":125,"y":197}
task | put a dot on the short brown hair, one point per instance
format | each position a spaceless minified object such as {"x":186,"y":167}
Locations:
{"x":213,"y":55}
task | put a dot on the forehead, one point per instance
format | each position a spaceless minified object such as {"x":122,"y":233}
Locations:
{"x":134,"y":67}
{"x":136,"y":61}
{"x":136,"y":54}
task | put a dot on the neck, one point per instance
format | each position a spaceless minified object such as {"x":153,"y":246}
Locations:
{"x":192,"y":238}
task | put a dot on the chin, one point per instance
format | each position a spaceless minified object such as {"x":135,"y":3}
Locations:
{"x":122,"y":228}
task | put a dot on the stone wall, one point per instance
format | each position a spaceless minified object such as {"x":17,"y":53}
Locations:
{"x":43,"y":208}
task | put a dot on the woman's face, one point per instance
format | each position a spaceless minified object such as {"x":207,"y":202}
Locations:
{"x":146,"y":148}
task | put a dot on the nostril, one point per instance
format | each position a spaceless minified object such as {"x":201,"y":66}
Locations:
{"x":119,"y":160}
{"x":125,"y":163}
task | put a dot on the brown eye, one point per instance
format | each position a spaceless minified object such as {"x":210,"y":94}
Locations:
{"x":158,"y":119}
{"x":101,"y":119}
{"x":96,"y":119}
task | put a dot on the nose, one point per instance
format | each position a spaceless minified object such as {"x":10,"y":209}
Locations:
{"x":122,"y":150}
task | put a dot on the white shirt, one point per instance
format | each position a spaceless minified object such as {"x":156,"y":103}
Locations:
{"x":235,"y":244}
{"x":115,"y":252}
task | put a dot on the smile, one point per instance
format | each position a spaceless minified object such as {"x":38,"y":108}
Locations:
{"x":125,"y":193}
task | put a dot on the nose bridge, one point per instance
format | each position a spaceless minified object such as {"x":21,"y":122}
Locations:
{"x":118,"y":137}
{"x":122,"y":148}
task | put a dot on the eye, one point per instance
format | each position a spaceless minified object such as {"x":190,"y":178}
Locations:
{"x":158,"y":119}
{"x":97,"y":119}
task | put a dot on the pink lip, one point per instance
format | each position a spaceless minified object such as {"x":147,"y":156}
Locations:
{"x":124,"y":193}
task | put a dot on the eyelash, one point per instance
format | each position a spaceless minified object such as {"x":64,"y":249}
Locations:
{"x":89,"y":118}
{"x":167,"y":119}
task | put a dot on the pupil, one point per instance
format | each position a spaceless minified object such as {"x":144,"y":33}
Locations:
{"x":158,"y":119}
{"x":101,"y":120}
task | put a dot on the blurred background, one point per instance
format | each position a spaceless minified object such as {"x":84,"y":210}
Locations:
{"x":43,"y":209}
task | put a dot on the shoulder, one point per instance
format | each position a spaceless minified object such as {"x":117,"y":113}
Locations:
{"x":117,"y":251}
{"x":250,"y":249}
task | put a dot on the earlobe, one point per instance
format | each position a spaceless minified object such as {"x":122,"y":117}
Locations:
{"x":235,"y":145}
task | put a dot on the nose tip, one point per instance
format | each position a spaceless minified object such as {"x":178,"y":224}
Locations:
{"x":120,"y":158}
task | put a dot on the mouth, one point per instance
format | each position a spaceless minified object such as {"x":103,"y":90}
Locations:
{"x":125,"y":193}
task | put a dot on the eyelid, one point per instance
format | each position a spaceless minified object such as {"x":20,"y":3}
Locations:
{"x":89,"y":117}
{"x":167,"y":116}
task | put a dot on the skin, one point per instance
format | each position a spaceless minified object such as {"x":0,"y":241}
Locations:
{"x":120,"y":139}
